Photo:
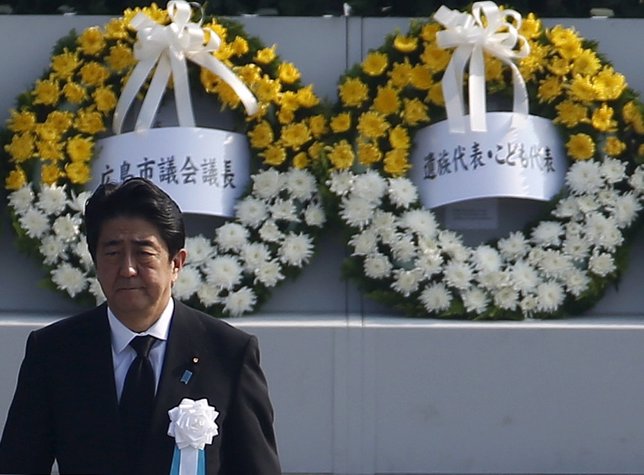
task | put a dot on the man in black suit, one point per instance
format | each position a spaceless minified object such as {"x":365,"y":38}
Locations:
{"x":88,"y":395}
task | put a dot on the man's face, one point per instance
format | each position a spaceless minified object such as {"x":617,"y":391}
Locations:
{"x":135,"y":269}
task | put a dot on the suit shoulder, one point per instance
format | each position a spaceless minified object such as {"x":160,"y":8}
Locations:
{"x":78,"y":323}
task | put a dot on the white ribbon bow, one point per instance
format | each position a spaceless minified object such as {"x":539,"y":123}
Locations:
{"x":471,"y":36}
{"x":167,"y":47}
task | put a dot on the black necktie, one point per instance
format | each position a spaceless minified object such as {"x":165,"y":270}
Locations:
{"x":137,"y":399}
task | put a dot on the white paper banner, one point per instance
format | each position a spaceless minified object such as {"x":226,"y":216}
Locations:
{"x":527,"y":162}
{"x":204,"y":170}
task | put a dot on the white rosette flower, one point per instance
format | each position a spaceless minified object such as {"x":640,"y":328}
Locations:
{"x":267,"y":184}
{"x":22,"y":199}
{"x":187,"y":283}
{"x":252,"y":211}
{"x":402,"y":192}
{"x":340,"y":183}
{"x":69,"y":278}
{"x":240,"y":301}
{"x":53,"y":199}
{"x":296,"y":249}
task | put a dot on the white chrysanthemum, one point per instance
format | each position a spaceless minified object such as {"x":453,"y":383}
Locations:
{"x":576,"y":247}
{"x":67,"y":227}
{"x":486,"y":259}
{"x":475,"y":300}
{"x":515,"y":246}
{"x":528,"y":305}
{"x":296,"y":249}
{"x":627,"y":207}
{"x":78,"y":201}
{"x":300,"y":183}
{"x":458,"y":274}
{"x":270,"y":232}
{"x":81,"y":251}
{"x":601,"y":263}
{"x":402,"y":192}
{"x":35,"y":223}
{"x":452,"y":244}
{"x":403,"y":248}
{"x":406,"y":281}
{"x":267,"y":183}
{"x":363,"y":243}
{"x":69,"y":278}
{"x":199,"y":250}
{"x":96,"y":290}
{"x":314,"y":215}
{"x":239,"y":302}
{"x":547,"y":233}
{"x":356,"y":211}
{"x":494,"y":280}
{"x":506,"y":297}
{"x":523,"y":277}
{"x":584,"y":177}
{"x":231,"y":236}
{"x":383,"y":222}
{"x":208,"y":295}
{"x":566,"y":208}
{"x":550,"y":296}
{"x":341,"y":182}
{"x":223,"y":272}
{"x":52,"y":199}
{"x":429,"y":262}
{"x":52,"y":249}
{"x":637,"y":179}
{"x":553,"y":263}
{"x":613,"y":170}
{"x":284,"y":210}
{"x":22,"y":199}
{"x":187,"y":283}
{"x":254,"y":254}
{"x":576,"y":282}
{"x":269,"y":273}
{"x":436,"y":298}
{"x":608,"y":197}
{"x":587,"y":203}
{"x":421,"y":221}
{"x":251,"y":211}
{"x":377,"y":266}
{"x":370,"y":186}
{"x":602,"y":231}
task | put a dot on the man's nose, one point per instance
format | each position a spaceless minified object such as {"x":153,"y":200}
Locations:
{"x":128,"y":265}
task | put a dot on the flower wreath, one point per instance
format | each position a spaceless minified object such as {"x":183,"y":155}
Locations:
{"x":51,"y":138}
{"x":400,"y":255}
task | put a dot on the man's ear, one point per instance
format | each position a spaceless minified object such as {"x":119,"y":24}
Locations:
{"x":178,"y":261}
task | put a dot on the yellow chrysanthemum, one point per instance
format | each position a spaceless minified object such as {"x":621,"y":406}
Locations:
{"x":307,"y":97}
{"x":570,"y":113}
{"x":493,"y":69}
{"x":372,"y":125}
{"x":405,"y":44}
{"x":59,"y":120}
{"x":288,"y":101}
{"x":224,"y":53}
{"x":530,"y":27}
{"x":353,"y":92}
{"x":399,"y":138}
{"x":534,"y":62}
{"x":80,"y":149}
{"x":341,"y":122}
{"x":295,"y":135}
{"x":631,"y":112}
{"x":274,"y":155}
{"x":386,"y":101}
{"x":249,"y":73}
{"x":49,"y":173}
{"x":396,"y":162}
{"x":301,"y":160}
{"x":116,"y":29}
{"x":559,"y":66}
{"x":435,"y":57}
{"x":638,"y":125}
{"x":435,"y":95}
{"x":78,"y":172}
{"x":368,"y":153}
{"x":90,"y":122}
{"x":46,"y":131}
{"x":46,"y":92}
{"x":227,"y":95}
{"x":22,"y":121}
{"x":586,"y":63}
{"x":266,"y":55}
{"x":49,"y":150}
{"x":288,"y":73}
{"x":414,"y":112}
{"x":421,"y":78}
{"x":341,"y":155}
{"x":375,"y":63}
{"x":15,"y":180}
{"x":91,"y":41}
{"x":74,"y":93}
{"x":285,"y":116}
{"x":602,"y":119}
{"x":64,"y":64}
{"x":261,"y":136}
{"x":21,"y":147}
{"x":614,"y":147}
{"x":581,"y":146}
{"x":582,"y":89}
{"x":315,"y":150}
{"x":560,"y":35}
{"x":429,"y":30}
{"x":94,"y":74}
{"x":609,"y":84}
{"x":120,"y":57}
{"x":400,"y":73}
{"x":266,"y":89}
{"x":105,"y":99}
{"x":318,"y":125}
{"x":239,"y":46}
{"x":549,"y":89}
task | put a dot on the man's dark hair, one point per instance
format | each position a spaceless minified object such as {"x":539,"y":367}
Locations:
{"x":134,"y":198}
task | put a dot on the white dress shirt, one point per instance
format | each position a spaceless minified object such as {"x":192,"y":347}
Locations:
{"x":123,"y":354}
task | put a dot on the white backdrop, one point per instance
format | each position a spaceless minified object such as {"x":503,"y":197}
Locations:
{"x":360,"y":390}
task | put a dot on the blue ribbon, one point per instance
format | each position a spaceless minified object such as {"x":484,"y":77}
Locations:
{"x":176,"y":462}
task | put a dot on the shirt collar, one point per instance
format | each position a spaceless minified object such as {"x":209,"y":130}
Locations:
{"x":122,"y":335}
